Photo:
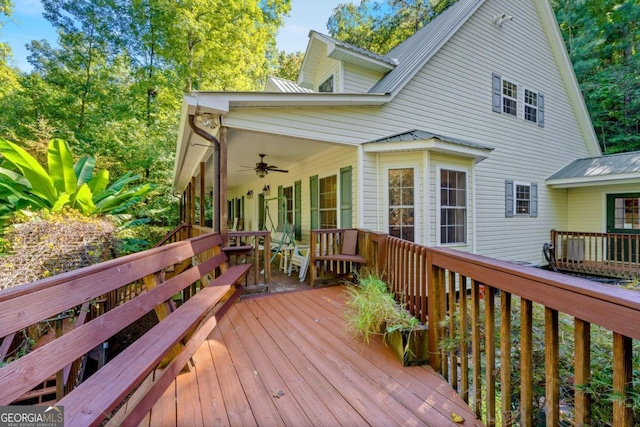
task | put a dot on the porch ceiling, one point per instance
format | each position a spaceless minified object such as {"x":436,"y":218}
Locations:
{"x":245,"y":147}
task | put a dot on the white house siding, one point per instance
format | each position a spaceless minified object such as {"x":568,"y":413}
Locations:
{"x":327,"y":163}
{"x":370,"y":202}
{"x":329,"y":66}
{"x":452,"y":96}
{"x":357,"y":79}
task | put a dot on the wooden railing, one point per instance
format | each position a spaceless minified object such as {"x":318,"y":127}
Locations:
{"x":474,"y":304}
{"x":181,"y":232}
{"x":606,"y":254}
{"x":76,"y":292}
{"x":326,"y":252}
{"x":260,"y":239}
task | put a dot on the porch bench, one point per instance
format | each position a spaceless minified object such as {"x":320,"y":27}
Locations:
{"x":172,"y":342}
{"x":194,"y":320}
{"x":335,"y":252}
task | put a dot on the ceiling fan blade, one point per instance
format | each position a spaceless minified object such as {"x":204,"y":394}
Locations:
{"x":277,"y":170}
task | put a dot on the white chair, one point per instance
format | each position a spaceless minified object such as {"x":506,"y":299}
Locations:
{"x":300,"y":259}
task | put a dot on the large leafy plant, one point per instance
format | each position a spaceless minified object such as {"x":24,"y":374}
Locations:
{"x":24,"y":183}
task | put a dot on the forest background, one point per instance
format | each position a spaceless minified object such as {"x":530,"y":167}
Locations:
{"x":113,"y":85}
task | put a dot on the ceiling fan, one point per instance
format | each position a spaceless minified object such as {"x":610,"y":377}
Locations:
{"x":262,"y":168}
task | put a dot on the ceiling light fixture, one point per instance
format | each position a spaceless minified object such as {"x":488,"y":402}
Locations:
{"x":261,"y":173}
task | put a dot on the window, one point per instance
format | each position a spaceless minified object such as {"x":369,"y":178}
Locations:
{"x":287,"y":193}
{"x":401,"y":205}
{"x":328,"y":193}
{"x":521,"y":199}
{"x":327,"y":85}
{"x":626,"y":213}
{"x":453,"y":206}
{"x":506,"y":94}
{"x":509,"y":98}
{"x":531,"y":106}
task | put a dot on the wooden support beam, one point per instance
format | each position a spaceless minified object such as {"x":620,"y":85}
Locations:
{"x":202,"y":194}
{"x":223,"y":214}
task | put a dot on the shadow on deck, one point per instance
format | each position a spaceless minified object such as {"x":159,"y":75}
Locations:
{"x":286,"y":359}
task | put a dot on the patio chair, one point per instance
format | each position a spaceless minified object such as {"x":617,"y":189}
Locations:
{"x":300,"y":259}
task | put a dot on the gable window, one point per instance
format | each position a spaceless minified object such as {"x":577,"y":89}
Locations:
{"x":327,"y":85}
{"x":328,"y":193}
{"x":509,"y":98}
{"x":530,"y":106}
{"x":453,"y":206}
{"x":521,"y":199}
{"x":401,"y":204}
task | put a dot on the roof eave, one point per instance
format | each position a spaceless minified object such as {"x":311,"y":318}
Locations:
{"x":592,"y":181}
{"x":431,"y":144}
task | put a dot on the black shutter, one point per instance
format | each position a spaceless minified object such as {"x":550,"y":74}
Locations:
{"x":508,"y":199}
{"x":497,"y":93}
{"x":541,"y":110}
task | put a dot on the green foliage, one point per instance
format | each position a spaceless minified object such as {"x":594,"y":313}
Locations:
{"x":380,"y":26}
{"x":603,"y":39}
{"x":372,"y":309}
{"x":65,"y":184}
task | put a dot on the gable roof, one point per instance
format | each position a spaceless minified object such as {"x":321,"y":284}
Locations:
{"x":414,"y":52}
{"x":607,"y":169}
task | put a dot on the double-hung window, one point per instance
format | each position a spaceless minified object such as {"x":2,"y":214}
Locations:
{"x":401,"y":203}
{"x":328,"y":201}
{"x":509,"y":98}
{"x":521,"y":199}
{"x":512,"y":99}
{"x":453,"y":206}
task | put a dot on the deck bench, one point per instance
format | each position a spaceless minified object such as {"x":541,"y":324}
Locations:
{"x":334,"y":252}
{"x":178,"y":334}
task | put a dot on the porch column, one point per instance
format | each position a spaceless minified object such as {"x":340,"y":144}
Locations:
{"x":202,"y":194}
{"x":222,"y":182}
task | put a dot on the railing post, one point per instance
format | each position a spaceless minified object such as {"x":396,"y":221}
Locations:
{"x":526,"y":363}
{"x":434,"y":286}
{"x":382,"y":256}
{"x":622,"y":377}
{"x":552,"y":361}
{"x":582,"y":333}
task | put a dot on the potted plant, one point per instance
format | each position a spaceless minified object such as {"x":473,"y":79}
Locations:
{"x":373,"y":310}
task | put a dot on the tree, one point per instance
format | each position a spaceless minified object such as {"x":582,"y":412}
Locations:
{"x":602,"y":37}
{"x":288,"y":65}
{"x":8,"y":75}
{"x":380,"y":26}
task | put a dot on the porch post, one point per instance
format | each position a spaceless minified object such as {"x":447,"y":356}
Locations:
{"x":222,"y":182}
{"x":202,"y":193}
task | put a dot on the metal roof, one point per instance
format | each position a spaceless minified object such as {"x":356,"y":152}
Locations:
{"x":598,"y":167}
{"x":414,"y":52}
{"x":285,"y":85}
{"x":420,"y":135}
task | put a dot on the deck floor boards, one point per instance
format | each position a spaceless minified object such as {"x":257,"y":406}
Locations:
{"x":295,"y":346}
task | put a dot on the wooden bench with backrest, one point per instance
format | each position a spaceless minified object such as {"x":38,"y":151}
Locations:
{"x":334,"y":252}
{"x":179,"y":333}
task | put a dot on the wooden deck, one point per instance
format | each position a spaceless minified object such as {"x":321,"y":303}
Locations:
{"x":285,"y":359}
